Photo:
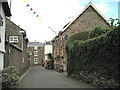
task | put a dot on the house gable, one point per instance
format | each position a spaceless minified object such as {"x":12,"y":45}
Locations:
{"x":89,"y":14}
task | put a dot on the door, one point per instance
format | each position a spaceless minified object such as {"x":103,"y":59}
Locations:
{"x":35,"y":60}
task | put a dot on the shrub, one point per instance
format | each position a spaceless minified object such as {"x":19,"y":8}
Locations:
{"x":100,"y":54}
{"x":97,"y":31}
{"x":78,"y":36}
{"x":10,"y":78}
{"x":50,"y":63}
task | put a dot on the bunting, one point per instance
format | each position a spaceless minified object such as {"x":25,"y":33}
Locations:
{"x":34,"y":13}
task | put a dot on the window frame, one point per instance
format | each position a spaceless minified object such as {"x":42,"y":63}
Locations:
{"x":35,"y":60}
{"x":35,"y":53}
{"x":13,"y":39}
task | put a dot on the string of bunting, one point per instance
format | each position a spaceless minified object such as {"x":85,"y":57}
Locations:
{"x":39,"y":18}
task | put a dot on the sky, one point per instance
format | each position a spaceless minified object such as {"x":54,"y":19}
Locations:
{"x":53,"y":15}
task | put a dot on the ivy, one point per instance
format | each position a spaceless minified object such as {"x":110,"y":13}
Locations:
{"x":100,"y":54}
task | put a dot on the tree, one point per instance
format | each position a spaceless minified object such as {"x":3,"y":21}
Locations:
{"x":114,"y":22}
{"x":49,"y":55}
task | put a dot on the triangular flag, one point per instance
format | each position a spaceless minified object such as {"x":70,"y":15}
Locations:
{"x":49,"y":26}
{"x":40,"y":18}
{"x":31,"y":9}
{"x":37,"y":16}
{"x":53,"y":31}
{"x":24,"y":1}
{"x":34,"y":13}
{"x":27,"y":5}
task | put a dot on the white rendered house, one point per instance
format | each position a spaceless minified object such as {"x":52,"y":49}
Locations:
{"x":47,"y":50}
{"x":4,"y":11}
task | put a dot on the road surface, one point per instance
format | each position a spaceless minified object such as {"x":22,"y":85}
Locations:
{"x":38,"y":77}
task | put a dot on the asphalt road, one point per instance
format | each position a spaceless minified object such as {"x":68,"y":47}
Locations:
{"x":38,"y":77}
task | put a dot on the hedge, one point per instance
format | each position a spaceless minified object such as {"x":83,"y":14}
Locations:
{"x":97,"y":31}
{"x":100,"y":54}
{"x":78,"y":36}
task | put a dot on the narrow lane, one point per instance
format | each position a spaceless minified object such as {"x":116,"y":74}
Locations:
{"x":38,"y":77}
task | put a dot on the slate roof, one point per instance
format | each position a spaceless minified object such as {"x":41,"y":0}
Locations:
{"x":32,"y":44}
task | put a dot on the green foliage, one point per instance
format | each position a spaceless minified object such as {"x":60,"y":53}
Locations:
{"x":114,"y":22}
{"x":49,"y":55}
{"x":97,"y":31}
{"x":10,"y":78}
{"x":78,"y":36}
{"x":51,"y":61}
{"x":100,"y":54}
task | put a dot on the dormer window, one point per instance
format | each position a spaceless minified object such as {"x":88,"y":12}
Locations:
{"x":14,"y":39}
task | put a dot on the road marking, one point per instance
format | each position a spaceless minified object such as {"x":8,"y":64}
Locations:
{"x":24,"y":74}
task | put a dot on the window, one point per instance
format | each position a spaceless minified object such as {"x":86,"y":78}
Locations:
{"x":14,"y":39}
{"x":35,"y":60}
{"x":66,"y":36}
{"x":35,"y":53}
{"x":35,"y":47}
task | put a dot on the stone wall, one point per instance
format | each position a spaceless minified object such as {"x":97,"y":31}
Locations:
{"x":16,"y":53}
{"x":40,"y":54}
{"x":84,"y":22}
{"x":96,"y":80}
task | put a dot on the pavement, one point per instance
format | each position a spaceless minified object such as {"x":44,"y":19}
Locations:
{"x":38,"y":77}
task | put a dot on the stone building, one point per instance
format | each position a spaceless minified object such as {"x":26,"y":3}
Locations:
{"x":36,"y":51}
{"x":16,"y":47}
{"x":85,"y":21}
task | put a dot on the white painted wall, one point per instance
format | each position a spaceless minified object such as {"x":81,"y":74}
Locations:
{"x":2,"y":33}
{"x":119,"y":10}
{"x":48,"y":49}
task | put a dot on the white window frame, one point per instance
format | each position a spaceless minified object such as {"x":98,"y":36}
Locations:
{"x":13,"y":39}
{"x":35,"y":53}
{"x":35,"y":60}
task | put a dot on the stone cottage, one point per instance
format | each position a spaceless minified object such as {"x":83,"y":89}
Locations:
{"x":85,"y":21}
{"x":4,"y":11}
{"x":36,"y":52}
{"x":16,"y":47}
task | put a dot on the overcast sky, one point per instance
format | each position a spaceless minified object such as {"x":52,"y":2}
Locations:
{"x":54,"y":14}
